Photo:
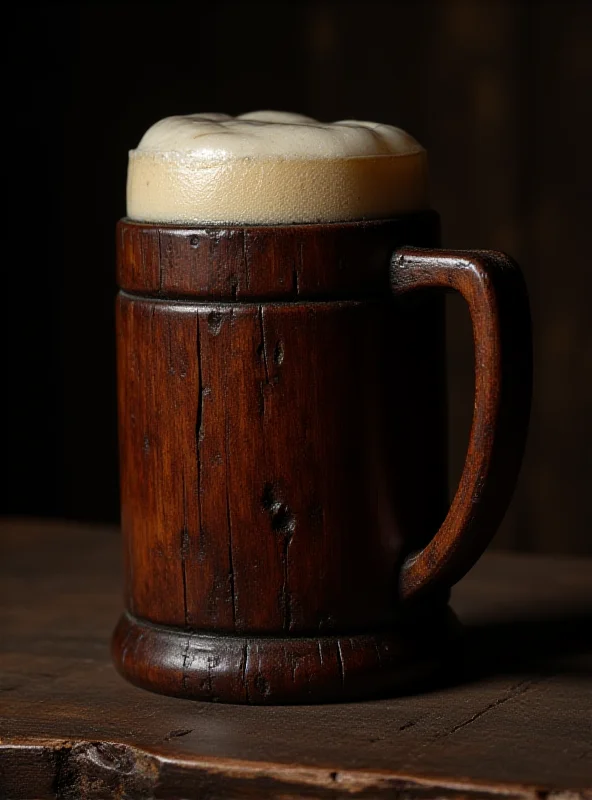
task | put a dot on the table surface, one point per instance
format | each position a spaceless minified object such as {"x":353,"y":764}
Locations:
{"x":515,"y":721}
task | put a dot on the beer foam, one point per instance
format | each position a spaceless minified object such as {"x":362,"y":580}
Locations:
{"x":271,"y":167}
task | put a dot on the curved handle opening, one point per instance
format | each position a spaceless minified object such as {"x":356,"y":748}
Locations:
{"x":494,"y":290}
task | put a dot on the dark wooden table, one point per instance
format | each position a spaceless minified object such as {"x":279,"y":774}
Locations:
{"x":515,"y":722}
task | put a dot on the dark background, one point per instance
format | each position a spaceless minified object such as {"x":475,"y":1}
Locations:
{"x":498,"y":92}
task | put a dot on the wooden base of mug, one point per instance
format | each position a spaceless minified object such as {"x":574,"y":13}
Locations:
{"x":269,"y":670}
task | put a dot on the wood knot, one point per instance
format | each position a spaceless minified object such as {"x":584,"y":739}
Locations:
{"x":278,"y":353}
{"x":262,"y":685}
{"x":215,"y":322}
{"x":109,"y":756}
{"x":282,"y":518}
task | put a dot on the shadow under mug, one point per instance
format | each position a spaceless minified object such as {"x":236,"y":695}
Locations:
{"x":283,"y":435}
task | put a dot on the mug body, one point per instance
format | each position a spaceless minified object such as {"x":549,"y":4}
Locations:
{"x":283,"y":447}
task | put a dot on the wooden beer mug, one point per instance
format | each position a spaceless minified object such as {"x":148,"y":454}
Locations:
{"x":283,"y":430}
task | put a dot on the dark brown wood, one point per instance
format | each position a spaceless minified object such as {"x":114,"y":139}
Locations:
{"x":266,"y":262}
{"x":283,"y":451}
{"x":514,"y":723}
{"x":494,"y":289}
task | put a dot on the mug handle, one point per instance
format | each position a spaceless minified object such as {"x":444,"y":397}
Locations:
{"x":493,"y":286}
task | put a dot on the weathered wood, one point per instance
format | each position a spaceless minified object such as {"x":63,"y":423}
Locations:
{"x":266,"y":262}
{"x":282,"y":423}
{"x":514,"y":724}
{"x":231,"y":455}
{"x":494,"y":290}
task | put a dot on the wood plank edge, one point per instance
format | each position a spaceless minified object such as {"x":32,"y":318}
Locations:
{"x":93,"y":769}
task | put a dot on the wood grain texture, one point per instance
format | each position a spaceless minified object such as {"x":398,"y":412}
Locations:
{"x":246,"y":475}
{"x":283,"y":452}
{"x":272,"y":477}
{"x":266,"y":262}
{"x":513,"y":724}
{"x":493,"y":287}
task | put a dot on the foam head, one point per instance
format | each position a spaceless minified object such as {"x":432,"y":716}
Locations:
{"x":272,"y":167}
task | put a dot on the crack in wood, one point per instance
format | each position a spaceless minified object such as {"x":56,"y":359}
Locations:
{"x":295,"y":279}
{"x":340,"y":663}
{"x":142,"y":257}
{"x":246,"y":258}
{"x":230,"y":556}
{"x":171,"y":360}
{"x":286,"y":594}
{"x":298,"y":265}
{"x":263,"y":344}
{"x":199,"y":435}
{"x":283,"y":522}
{"x":231,"y":576}
{"x":278,"y":353}
{"x":320,"y":648}
{"x":515,"y":691}
{"x":177,"y":733}
{"x":244,"y":679}
{"x":282,"y":519}
{"x":184,"y":550}
{"x":210,"y":662}
{"x":262,"y":352}
{"x":160,"y":267}
{"x":184,"y":667}
{"x":62,"y":773}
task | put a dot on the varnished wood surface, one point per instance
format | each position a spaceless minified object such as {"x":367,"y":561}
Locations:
{"x":493,"y":287}
{"x":514,"y":723}
{"x":266,"y":445}
{"x":271,"y":262}
{"x":282,"y":427}
{"x":283,"y":462}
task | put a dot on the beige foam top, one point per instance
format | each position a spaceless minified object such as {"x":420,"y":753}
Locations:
{"x":271,"y":167}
